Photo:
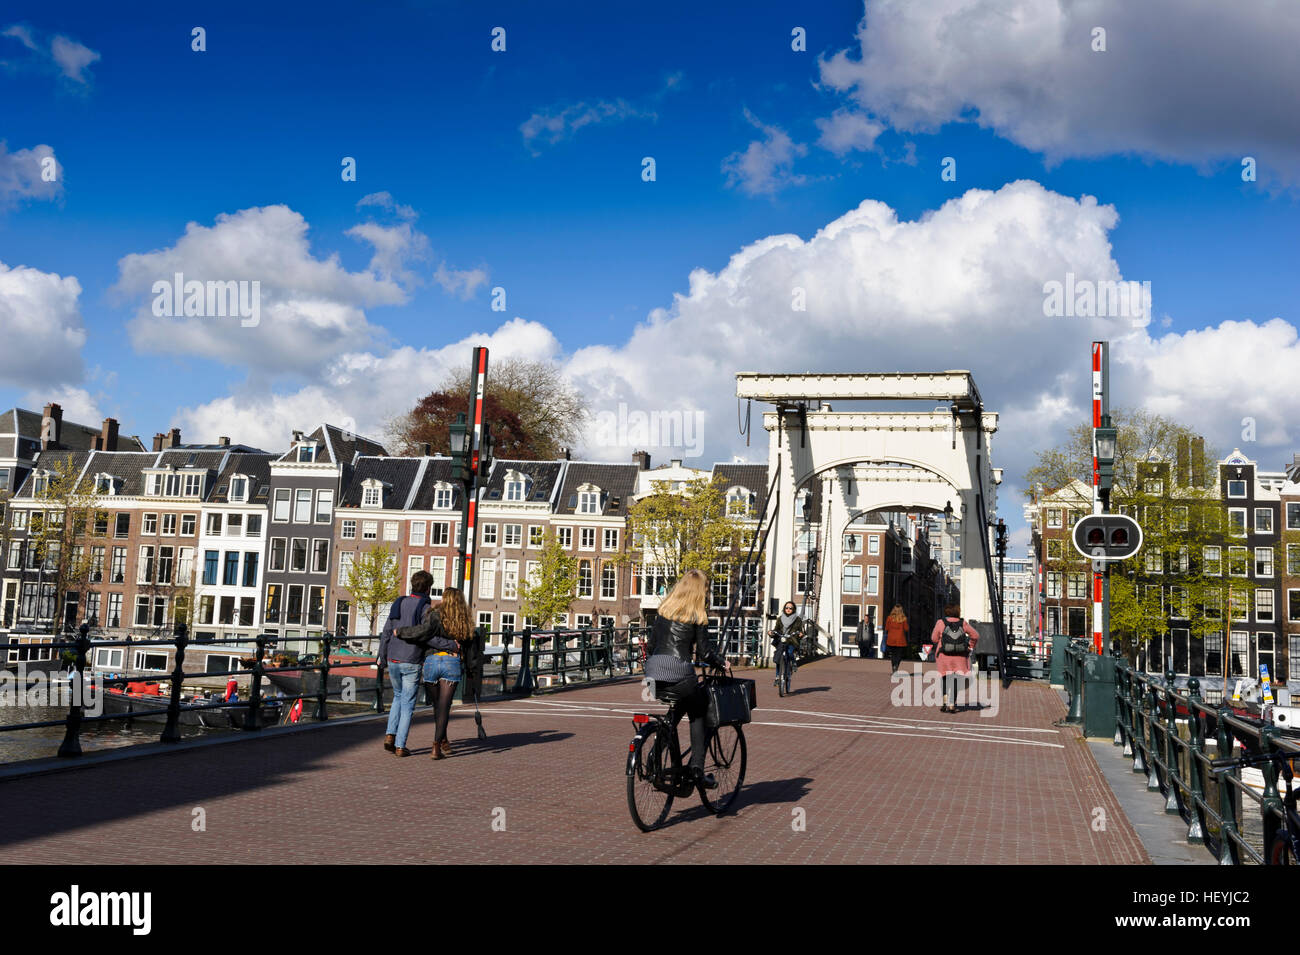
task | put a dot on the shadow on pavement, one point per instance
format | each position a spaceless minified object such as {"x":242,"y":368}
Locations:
{"x":497,"y":743}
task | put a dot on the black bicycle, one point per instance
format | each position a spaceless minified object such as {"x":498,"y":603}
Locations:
{"x":1281,"y":837}
{"x":658,"y":769}
{"x":784,"y":665}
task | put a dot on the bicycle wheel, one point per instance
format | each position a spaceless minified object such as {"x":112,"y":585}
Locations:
{"x":648,"y":804}
{"x":782,"y":680}
{"x":789,"y":671}
{"x":725,"y":759}
{"x":1282,"y":854}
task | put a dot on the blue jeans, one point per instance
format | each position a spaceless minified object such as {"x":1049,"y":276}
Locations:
{"x":441,"y":668}
{"x":405,"y":678}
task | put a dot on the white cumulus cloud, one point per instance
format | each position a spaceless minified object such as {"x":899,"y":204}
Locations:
{"x":43,"y":331}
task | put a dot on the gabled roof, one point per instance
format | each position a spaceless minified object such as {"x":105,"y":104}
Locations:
{"x":617,"y":483}
{"x":753,"y":477}
{"x":398,"y":475}
{"x":20,"y":423}
{"x":338,"y":446}
{"x":48,"y":460}
{"x":187,"y":458}
{"x":437,"y":470}
{"x":545,"y":476}
{"x":257,"y":467}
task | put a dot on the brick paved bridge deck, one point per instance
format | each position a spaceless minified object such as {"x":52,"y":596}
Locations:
{"x":877,"y":784}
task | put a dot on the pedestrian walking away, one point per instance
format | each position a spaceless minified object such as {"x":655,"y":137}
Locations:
{"x":445,"y":630}
{"x":896,"y":627}
{"x":679,"y":635}
{"x":403,"y":659}
{"x":954,"y":640}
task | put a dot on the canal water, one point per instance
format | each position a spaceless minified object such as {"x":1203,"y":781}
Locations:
{"x":39,"y":743}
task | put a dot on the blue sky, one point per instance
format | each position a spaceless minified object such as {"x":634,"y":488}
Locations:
{"x":151,"y":135}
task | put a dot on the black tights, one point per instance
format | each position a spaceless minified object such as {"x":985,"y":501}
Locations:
{"x":690,"y":700}
{"x":444,"y":693}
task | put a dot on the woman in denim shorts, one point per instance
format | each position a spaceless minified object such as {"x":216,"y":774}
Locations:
{"x":442,"y":668}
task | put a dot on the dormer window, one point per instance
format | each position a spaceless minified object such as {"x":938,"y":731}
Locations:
{"x":372,"y":493}
{"x":40,"y":482}
{"x":739,"y":502}
{"x":517,"y":486}
{"x":238,"y":489}
{"x":307,"y":452}
{"x":443,"y":497}
{"x":588,"y":500}
{"x":105,"y":484}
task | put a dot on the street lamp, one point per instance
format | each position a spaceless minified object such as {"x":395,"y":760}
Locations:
{"x":1106,"y":438}
{"x":459,"y":446}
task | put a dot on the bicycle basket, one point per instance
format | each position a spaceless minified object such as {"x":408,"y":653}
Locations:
{"x":730,"y":701}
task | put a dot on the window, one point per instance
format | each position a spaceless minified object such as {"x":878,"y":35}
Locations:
{"x":234,"y":524}
{"x":1055,"y":548}
{"x":584,"y":579}
{"x":1054,"y":584}
{"x":169,"y":525}
{"x":1238,"y":606}
{"x":230,"y":577}
{"x":510,"y":580}
{"x":805,"y":542}
{"x":1263,"y":520}
{"x":1263,"y":562}
{"x":346,"y":559}
{"x":1178,"y":517}
{"x":588,"y":502}
{"x":349,"y":531}
{"x":1155,"y":561}
{"x":513,"y":535}
{"x":302,"y":506}
{"x":852,"y":579}
{"x":1237,"y":566}
{"x":250,"y":568}
{"x":1155,"y":487}
{"x":417,"y":533}
{"x":307,"y":452}
{"x":485,"y":619}
{"x":214,"y":525}
{"x":873,"y":544}
{"x":280,"y":512}
{"x":438,"y":534}
{"x":1264,"y":605}
{"x":369,"y":530}
{"x":852,"y":544}
{"x":279,"y":547}
{"x":586,"y":538}
{"x":487,"y":579}
{"x":413,"y":564}
{"x":873,"y":581}
{"x":320,"y":555}
{"x":315,"y":606}
{"x":801,"y":577}
{"x":188,"y":524}
{"x":372,"y":495}
{"x":298,"y":554}
{"x":507,"y":623}
{"x":1078,"y":586}
{"x":272,"y":603}
{"x":254,"y":528}
{"x":442,"y":497}
{"x":438,"y":568}
{"x":1293,"y":613}
{"x":1293,"y":560}
{"x":720,"y":586}
{"x":1236,"y":489}
{"x":141,"y":611}
{"x":565,"y":536}
{"x":1053,"y":517}
{"x":238,"y":489}
{"x":96,"y":565}
{"x":117,"y":570}
{"x":537,"y":535}
{"x":515,"y":488}
{"x":490,"y":535}
{"x":342,"y":616}
{"x":1237,"y":521}
{"x":166,"y":556}
{"x":122,"y":527}
{"x":1178,"y":603}
{"x":1293,"y":516}
{"x":390,"y":530}
{"x":293,"y":608}
{"x":144,"y":569}
{"x":1213,"y":562}
{"x":114,"y":617}
{"x":324,"y":506}
{"x":150,"y":528}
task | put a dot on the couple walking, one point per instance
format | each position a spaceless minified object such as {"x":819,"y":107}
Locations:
{"x":421,"y":643}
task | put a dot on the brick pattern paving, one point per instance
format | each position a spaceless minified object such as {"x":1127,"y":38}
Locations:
{"x":875,"y":783}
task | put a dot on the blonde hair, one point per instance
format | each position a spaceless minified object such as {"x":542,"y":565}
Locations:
{"x":454,"y":615}
{"x":897,"y":614}
{"x":686,"y":601}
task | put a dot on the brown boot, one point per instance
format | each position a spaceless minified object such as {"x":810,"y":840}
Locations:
{"x":390,"y":743}
{"x":403,"y":751}
{"x":444,"y":748}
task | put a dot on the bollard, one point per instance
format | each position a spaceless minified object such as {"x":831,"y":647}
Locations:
{"x":253,"y":721}
{"x":71,"y":745}
{"x":323,"y":692}
{"x":1195,"y":750}
{"x":1227,"y":796}
{"x":171,"y":732}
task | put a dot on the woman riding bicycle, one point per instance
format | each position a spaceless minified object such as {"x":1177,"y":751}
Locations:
{"x":786,"y":634}
{"x":679,"y":634}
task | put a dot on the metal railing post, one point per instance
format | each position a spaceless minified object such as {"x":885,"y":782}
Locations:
{"x":1171,"y":749}
{"x":379,"y":689}
{"x":506,"y":640}
{"x":1195,"y":752}
{"x":171,"y":732}
{"x":1227,"y":796}
{"x":71,"y":745}
{"x":584,"y":653}
{"x":633,"y":647}
{"x":1153,"y":737}
{"x":253,"y":721}
{"x":1270,"y":804}
{"x":323,"y":692}
{"x":608,"y":637}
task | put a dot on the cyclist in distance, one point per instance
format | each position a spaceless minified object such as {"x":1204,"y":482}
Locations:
{"x":787,"y":633}
{"x":680,"y":633}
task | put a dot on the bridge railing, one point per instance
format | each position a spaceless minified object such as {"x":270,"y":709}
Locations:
{"x":1173,"y":737}
{"x":523,"y":661}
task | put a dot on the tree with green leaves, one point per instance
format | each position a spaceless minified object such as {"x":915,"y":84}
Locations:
{"x":548,"y":594}
{"x":375,"y":581}
{"x":687,"y":529}
{"x":58,"y":526}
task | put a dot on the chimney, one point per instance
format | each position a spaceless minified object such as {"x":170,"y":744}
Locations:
{"x":108,"y":435}
{"x":642,"y":460}
{"x":1181,"y":479}
{"x":297,"y":436}
{"x":51,"y":426}
{"x":223,"y":441}
{"x":426,"y":449}
{"x":174,"y":438}
{"x":97,"y":443}
{"x":676,"y":462}
{"x":566,"y":453}
{"x":158,"y":441}
{"x":1198,"y":462}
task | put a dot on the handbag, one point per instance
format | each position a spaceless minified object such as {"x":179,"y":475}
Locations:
{"x":730,"y":701}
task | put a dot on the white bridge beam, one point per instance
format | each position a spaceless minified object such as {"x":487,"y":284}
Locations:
{"x":955,"y":386}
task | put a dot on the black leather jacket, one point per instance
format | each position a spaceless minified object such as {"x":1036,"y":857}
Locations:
{"x":683,"y":641}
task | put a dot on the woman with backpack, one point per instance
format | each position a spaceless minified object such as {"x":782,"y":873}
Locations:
{"x":954,"y":640}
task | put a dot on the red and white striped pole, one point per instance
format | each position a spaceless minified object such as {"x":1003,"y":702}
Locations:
{"x":1099,"y":408}
{"x":477,"y":388}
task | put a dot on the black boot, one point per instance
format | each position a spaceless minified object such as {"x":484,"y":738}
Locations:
{"x":703,"y":779}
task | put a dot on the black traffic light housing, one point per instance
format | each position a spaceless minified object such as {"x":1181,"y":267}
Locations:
{"x":1107,"y":537}
{"x":1002,"y":538}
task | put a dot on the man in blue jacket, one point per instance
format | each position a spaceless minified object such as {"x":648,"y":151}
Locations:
{"x":403,"y":659}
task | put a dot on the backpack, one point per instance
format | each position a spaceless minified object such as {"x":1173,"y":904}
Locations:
{"x":395,"y":612}
{"x":955,"y":640}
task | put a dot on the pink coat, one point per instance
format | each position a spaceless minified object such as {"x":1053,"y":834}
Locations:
{"x":946,"y":662}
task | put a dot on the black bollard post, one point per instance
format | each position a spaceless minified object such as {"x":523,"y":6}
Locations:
{"x":524,"y":675}
{"x":71,"y":745}
{"x":171,"y":732}
{"x":253,"y":721}
{"x":323,"y":692}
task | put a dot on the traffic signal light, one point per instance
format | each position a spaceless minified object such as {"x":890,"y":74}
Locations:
{"x":1107,"y":537}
